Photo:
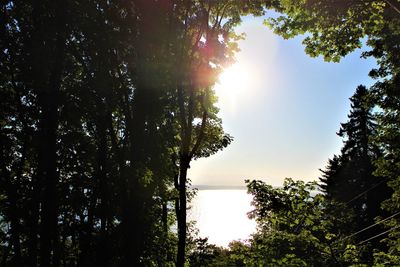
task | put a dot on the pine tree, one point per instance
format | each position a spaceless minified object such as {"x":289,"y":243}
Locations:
{"x":332,"y":170}
{"x":349,"y":178}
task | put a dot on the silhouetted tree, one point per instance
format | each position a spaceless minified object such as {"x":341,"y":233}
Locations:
{"x":350,"y":178}
{"x":205,"y":44}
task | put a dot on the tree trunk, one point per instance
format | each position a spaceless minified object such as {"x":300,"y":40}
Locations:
{"x":33,"y":223}
{"x":181,"y":211}
{"x":48,"y":173}
{"x":15,"y":225}
{"x":47,"y":159}
{"x":102,"y":250}
{"x":133,"y":202}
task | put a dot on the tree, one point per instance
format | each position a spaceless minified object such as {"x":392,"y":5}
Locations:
{"x":333,"y":169}
{"x":205,"y":254}
{"x":296,"y":226}
{"x":205,"y":44}
{"x":33,"y":53}
{"x":349,"y":177}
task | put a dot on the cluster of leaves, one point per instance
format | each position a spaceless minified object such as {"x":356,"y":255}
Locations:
{"x":205,"y":254}
{"x":297,"y":226}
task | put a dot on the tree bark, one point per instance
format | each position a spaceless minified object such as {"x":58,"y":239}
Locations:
{"x":181,"y":211}
{"x":48,"y":87}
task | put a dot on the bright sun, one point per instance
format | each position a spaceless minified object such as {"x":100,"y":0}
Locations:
{"x":232,"y":83}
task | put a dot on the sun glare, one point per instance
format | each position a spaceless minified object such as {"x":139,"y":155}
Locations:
{"x":233,"y":82}
{"x":221,"y":215}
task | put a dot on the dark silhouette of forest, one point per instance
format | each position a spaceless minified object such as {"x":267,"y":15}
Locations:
{"x":105,"y":104}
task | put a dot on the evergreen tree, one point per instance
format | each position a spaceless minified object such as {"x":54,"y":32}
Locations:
{"x":331,"y":170}
{"x":349,"y":178}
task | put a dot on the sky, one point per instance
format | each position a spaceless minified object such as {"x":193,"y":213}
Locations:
{"x":283,"y":109}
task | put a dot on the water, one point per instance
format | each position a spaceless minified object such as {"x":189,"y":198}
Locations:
{"x":221,"y":215}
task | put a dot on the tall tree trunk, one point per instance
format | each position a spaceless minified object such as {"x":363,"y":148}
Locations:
{"x":133,"y":202}
{"x":102,"y":250}
{"x":49,"y":176}
{"x":15,"y":226}
{"x":33,"y":224}
{"x":10,"y":189}
{"x":181,"y":211}
{"x":48,"y":88}
{"x":187,"y":151}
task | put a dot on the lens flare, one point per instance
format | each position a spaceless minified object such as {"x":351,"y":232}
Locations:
{"x":233,"y":83}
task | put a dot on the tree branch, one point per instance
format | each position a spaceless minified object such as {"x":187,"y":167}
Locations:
{"x":392,"y":5}
{"x":201,"y":134}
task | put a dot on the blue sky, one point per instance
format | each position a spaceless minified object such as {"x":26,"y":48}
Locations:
{"x":285,"y":117}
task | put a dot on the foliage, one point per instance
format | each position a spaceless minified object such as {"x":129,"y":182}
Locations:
{"x":296,"y":226}
{"x":205,"y":254}
{"x":333,"y":28}
{"x":349,"y":177}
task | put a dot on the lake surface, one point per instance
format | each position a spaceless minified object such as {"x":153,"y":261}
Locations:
{"x":221,"y":215}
